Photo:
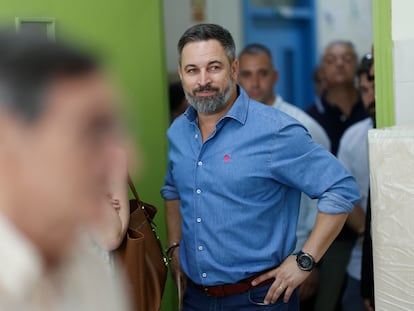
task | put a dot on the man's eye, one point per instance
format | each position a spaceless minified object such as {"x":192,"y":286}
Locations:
{"x":191,"y":70}
{"x":244,"y":74}
{"x":263,"y":73}
{"x":214,"y":68}
{"x":348,"y":59}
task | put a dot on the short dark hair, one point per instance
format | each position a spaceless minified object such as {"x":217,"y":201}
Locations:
{"x":28,"y":65}
{"x":204,"y":32}
{"x":365,"y":65}
{"x":254,"y":49}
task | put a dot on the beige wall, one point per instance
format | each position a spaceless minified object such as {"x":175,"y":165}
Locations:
{"x":336,"y":19}
{"x":402,"y":27}
{"x":177,"y":18}
{"x":349,"y":20}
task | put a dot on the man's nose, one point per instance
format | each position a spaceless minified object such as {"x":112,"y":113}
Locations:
{"x":204,"y":78}
{"x":255,"y":81}
{"x":339,"y":61}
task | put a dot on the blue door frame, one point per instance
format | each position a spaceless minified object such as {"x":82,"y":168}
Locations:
{"x":289,"y":32}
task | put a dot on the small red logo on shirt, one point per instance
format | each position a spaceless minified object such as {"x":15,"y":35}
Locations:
{"x":226,"y":158}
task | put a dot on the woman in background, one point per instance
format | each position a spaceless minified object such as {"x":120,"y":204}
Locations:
{"x":110,"y":228}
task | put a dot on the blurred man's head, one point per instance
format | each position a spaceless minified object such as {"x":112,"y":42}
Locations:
{"x":366,"y":84}
{"x":57,"y":132}
{"x":339,"y":63}
{"x":256,"y":73}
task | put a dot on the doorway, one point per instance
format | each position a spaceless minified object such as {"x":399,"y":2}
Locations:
{"x":287,"y":28}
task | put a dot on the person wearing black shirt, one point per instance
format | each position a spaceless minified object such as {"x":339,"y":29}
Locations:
{"x":339,"y":107}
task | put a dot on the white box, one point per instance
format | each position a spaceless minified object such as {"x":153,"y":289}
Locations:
{"x":391,"y":154}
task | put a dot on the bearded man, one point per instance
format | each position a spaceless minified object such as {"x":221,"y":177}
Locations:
{"x":236,"y":170}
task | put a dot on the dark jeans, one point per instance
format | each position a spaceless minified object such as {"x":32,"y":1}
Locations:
{"x":196,"y":300}
{"x":332,"y":275}
{"x":352,"y":300}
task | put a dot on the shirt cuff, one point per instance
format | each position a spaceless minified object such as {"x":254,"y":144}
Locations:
{"x":169,"y":193}
{"x":331,"y":203}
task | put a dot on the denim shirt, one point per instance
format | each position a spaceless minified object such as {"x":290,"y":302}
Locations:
{"x":239,"y":191}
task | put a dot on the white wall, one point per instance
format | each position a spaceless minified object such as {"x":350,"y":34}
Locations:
{"x":337,"y":19}
{"x":177,"y":18}
{"x":347,"y":20}
{"x":402,"y":28}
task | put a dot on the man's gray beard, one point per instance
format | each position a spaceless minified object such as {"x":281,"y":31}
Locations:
{"x":210,"y":104}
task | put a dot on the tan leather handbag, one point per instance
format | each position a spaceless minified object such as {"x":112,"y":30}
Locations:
{"x":142,"y":257}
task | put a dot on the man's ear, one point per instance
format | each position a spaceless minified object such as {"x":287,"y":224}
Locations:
{"x":235,"y":69}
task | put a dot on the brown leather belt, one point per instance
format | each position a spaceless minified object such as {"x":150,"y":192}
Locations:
{"x":232,"y":289}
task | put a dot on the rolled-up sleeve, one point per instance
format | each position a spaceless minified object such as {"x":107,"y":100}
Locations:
{"x":311,"y":169}
{"x":169,"y":191}
{"x":334,"y":203}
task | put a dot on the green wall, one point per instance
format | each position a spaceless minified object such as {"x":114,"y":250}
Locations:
{"x":384,"y":76}
{"x":129,"y":35}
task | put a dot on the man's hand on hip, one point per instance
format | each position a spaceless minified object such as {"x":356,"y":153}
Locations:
{"x":287,"y":277}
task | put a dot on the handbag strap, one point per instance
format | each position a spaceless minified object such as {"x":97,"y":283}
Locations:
{"x":149,"y":210}
{"x":132,"y":187}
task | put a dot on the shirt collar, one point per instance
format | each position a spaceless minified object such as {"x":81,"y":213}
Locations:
{"x":191,"y":114}
{"x":238,"y":111}
{"x":21,"y":264}
{"x":278,"y":102}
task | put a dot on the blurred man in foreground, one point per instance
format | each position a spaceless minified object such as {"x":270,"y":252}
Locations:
{"x":57,"y":136}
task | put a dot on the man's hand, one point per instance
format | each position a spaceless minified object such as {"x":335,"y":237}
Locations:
{"x":309,"y":287}
{"x":287,"y":277}
{"x":179,"y":277}
{"x":368,"y":305}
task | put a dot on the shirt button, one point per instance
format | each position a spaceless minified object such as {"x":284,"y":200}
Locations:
{"x":200,"y":248}
{"x":204,"y":275}
{"x":196,"y":136}
{"x":198,"y":191}
{"x":198,"y":219}
{"x":200,"y":163}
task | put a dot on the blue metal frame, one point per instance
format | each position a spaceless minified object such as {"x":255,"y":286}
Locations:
{"x":294,"y":28}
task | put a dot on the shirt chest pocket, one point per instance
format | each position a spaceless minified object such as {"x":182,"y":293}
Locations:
{"x":229,"y":173}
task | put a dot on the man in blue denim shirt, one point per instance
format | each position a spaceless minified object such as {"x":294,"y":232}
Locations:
{"x":236,"y":169}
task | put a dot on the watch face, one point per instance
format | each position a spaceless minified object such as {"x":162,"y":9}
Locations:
{"x":305,"y":262}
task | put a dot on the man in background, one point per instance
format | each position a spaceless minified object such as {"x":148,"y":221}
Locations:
{"x":353,"y":153}
{"x":339,"y":107}
{"x":367,"y":269}
{"x":57,"y":136}
{"x":258,"y":76}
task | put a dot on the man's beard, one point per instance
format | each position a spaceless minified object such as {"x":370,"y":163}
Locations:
{"x":210,"y":104}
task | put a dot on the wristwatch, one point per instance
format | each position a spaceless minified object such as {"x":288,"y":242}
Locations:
{"x":305,"y":261}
